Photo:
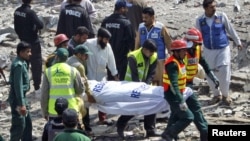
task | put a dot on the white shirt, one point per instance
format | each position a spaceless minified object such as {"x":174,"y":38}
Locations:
{"x":101,"y":58}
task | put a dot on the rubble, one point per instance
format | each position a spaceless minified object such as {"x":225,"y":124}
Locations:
{"x":177,"y":19}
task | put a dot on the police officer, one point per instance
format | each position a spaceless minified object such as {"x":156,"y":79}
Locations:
{"x":73,"y":16}
{"x":123,"y":36}
{"x":27,"y":25}
{"x":141,"y":68}
{"x":184,"y":109}
{"x":21,"y":124}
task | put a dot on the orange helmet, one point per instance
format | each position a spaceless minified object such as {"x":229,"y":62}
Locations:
{"x":194,"y":35}
{"x":178,"y":44}
{"x":60,"y":38}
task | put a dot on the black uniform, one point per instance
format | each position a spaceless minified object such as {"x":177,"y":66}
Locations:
{"x":27,"y":25}
{"x":122,"y":40}
{"x":72,"y":17}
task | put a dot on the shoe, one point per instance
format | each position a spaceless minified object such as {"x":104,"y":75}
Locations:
{"x":226,"y":100}
{"x":215,"y":99}
{"x":167,"y":137}
{"x":152,"y":133}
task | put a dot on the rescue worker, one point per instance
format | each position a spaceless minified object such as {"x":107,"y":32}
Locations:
{"x":21,"y":124}
{"x":80,"y":36}
{"x":152,"y":29}
{"x":215,"y":28}
{"x":81,"y":53}
{"x":141,"y":68}
{"x":194,"y":57}
{"x":123,"y":36}
{"x":60,"y":41}
{"x":60,"y":80}
{"x":27,"y":25}
{"x":73,"y":16}
{"x":70,"y":121}
{"x":184,"y":105}
{"x":55,"y":126}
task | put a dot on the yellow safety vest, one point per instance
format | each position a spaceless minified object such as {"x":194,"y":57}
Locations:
{"x":61,"y":82}
{"x":181,"y":75}
{"x":192,"y":64}
{"x":141,"y":65}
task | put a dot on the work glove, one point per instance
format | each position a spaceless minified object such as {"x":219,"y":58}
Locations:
{"x":183,"y":106}
{"x":214,"y":79}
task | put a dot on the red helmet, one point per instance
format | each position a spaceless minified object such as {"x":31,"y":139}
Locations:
{"x":178,"y":44}
{"x":60,"y":38}
{"x":194,"y":35}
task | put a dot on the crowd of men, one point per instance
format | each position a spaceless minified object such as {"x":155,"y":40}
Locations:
{"x":131,"y":47}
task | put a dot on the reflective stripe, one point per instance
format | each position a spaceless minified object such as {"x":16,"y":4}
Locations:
{"x":192,"y":64}
{"x":61,"y":79}
{"x":181,"y":75}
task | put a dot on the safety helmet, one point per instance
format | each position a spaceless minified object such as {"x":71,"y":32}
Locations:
{"x":178,"y":44}
{"x":60,"y":38}
{"x":194,"y":35}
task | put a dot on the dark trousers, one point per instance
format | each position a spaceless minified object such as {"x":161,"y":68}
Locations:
{"x":149,"y":122}
{"x":121,"y":68}
{"x":86,"y":121}
{"x":21,"y":126}
{"x":36,"y":64}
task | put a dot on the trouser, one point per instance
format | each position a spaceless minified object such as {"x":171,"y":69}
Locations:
{"x":224,"y":75}
{"x":149,"y":122}
{"x":178,"y":119}
{"x":86,"y":121}
{"x":21,"y":126}
{"x":121,"y":68}
{"x":199,"y":120}
{"x":36,"y":64}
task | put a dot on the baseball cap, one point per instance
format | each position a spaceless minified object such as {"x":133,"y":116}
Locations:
{"x":62,"y":53}
{"x":82,"y":49}
{"x":190,"y":44}
{"x":122,"y":3}
{"x":70,"y":116}
{"x":61,"y":104}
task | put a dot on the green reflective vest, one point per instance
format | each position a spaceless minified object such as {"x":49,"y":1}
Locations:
{"x":61,"y":82}
{"x":142,"y":66}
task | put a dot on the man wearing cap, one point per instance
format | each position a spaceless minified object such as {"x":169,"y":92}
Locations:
{"x":141,"y":68}
{"x":55,"y":126}
{"x":123,"y":36}
{"x":184,"y":105}
{"x":60,"y":80}
{"x":152,"y":29}
{"x":70,"y":121}
{"x":81,"y":53}
{"x":102,"y":58}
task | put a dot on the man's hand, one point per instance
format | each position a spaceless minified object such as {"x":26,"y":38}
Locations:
{"x":183,"y":106}
{"x":21,"y":110}
{"x":91,"y":99}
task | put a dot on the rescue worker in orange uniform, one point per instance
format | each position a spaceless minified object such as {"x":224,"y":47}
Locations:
{"x":184,"y":105}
